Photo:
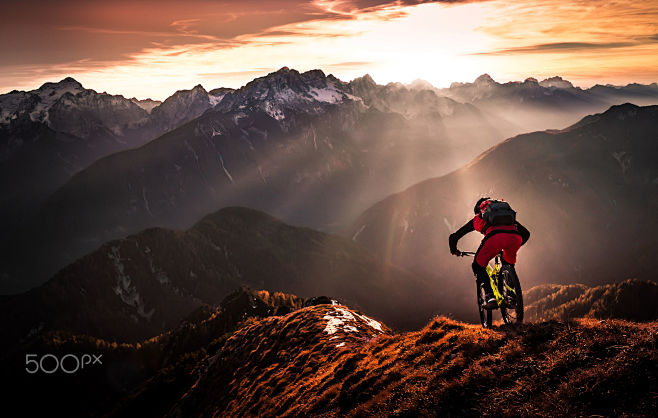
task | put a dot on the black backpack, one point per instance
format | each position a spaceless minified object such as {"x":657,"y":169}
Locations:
{"x":498,"y":212}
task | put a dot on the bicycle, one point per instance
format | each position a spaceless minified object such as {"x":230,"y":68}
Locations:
{"x":507,"y":291}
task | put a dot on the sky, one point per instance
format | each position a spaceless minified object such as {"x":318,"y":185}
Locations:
{"x":153,"y":48}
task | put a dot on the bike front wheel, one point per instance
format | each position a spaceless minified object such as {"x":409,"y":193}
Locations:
{"x":512,"y":306}
{"x":486,"y":317}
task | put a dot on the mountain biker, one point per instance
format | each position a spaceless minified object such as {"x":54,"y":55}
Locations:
{"x":505,"y":238}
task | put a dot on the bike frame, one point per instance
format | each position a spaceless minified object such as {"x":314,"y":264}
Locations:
{"x":493,"y":277}
{"x":494,"y":274}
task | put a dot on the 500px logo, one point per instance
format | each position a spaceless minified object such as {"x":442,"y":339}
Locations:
{"x":50,"y":363}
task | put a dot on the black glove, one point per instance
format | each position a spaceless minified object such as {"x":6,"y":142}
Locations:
{"x":457,"y":253}
{"x":452,"y":241}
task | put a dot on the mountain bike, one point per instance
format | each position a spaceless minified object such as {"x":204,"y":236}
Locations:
{"x":506,"y":289}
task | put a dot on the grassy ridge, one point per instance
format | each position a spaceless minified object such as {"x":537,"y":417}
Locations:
{"x":289,"y":367}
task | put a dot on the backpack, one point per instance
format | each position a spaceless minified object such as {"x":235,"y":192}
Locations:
{"x":498,"y":212}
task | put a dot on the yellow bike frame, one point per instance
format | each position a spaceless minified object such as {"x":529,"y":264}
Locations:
{"x":494,"y":273}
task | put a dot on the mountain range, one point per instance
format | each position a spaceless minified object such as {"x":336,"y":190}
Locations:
{"x":551,"y":103}
{"x":299,"y":146}
{"x":49,"y":134}
{"x":142,"y":285}
{"x":308,"y":148}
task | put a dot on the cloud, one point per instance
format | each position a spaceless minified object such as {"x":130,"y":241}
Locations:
{"x":368,"y":5}
{"x":350,"y":64}
{"x":52,"y":33}
{"x":138,"y":44}
{"x":42,"y":32}
{"x":558,"y":47}
{"x":250,"y":73}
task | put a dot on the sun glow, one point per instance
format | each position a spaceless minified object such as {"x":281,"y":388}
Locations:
{"x":587,"y":42}
{"x":426,"y":42}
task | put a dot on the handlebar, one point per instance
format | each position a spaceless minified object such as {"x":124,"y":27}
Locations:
{"x":471,"y":254}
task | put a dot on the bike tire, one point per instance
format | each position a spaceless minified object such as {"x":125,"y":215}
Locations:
{"x":486,"y":317}
{"x":514,"y":314}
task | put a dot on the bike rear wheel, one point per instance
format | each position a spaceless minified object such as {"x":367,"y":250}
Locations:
{"x":509,"y":286}
{"x":485,"y":314}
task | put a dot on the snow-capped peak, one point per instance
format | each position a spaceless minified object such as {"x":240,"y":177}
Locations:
{"x":216,"y":95}
{"x":49,"y":93}
{"x":287,"y":89}
{"x":556,"y":82}
{"x":67,"y":84}
{"x":37,"y":102}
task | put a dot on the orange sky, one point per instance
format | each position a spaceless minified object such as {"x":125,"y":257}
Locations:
{"x":152,"y":48}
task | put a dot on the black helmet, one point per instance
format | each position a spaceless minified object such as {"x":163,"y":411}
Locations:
{"x":476,"y":208}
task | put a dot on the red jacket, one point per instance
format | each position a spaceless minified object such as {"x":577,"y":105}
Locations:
{"x":478,"y":224}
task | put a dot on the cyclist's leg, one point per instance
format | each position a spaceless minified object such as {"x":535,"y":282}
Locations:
{"x":511,"y":246}
{"x":482,"y":277}
{"x":509,"y":266}
{"x":487,"y":250}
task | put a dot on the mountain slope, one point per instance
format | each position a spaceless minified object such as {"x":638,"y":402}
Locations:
{"x":138,"y":378}
{"x":585,"y":193}
{"x":183,"y":106}
{"x":48,"y":134}
{"x":142,"y":285}
{"x":632,"y":300}
{"x":301,"y":365}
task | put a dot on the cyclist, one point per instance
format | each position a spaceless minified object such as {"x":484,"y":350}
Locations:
{"x":505,"y":238}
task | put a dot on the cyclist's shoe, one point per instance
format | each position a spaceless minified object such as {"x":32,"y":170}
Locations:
{"x":489,"y":301}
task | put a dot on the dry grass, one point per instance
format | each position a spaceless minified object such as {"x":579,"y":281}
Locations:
{"x":135,"y":379}
{"x":289,"y":366}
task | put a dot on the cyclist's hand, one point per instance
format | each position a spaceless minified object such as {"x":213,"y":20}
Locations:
{"x":457,"y":253}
